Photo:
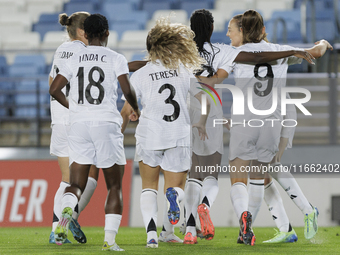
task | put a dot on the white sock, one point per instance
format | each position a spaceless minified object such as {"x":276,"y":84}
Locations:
{"x":167,"y":226}
{"x":148,"y":206}
{"x":180,"y":193}
{"x":275,"y":205}
{"x":86,"y":196}
{"x":192,"y":199}
{"x":209,"y":190}
{"x":112,"y":222}
{"x":69,"y":200}
{"x":289,"y":184}
{"x":57,"y":203}
{"x":239,"y":198}
{"x":255,"y":194}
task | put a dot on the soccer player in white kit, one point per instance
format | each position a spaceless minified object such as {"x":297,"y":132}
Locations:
{"x":163,"y":131}
{"x":60,"y":125}
{"x":271,"y":194}
{"x":95,"y":137}
{"x":220,"y":58}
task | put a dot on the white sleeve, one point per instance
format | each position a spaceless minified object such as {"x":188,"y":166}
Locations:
{"x":292,"y":60}
{"x":121,"y":65}
{"x":230,"y":53}
{"x":66,"y":70}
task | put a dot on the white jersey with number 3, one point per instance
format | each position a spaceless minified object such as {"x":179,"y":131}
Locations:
{"x":264,"y":81}
{"x":59,"y":113}
{"x":164,"y":122}
{"x":92,"y":73}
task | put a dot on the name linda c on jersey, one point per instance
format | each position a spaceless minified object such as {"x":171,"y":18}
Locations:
{"x":91,"y":57}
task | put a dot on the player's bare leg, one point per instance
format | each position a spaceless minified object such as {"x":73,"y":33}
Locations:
{"x":114,"y":205}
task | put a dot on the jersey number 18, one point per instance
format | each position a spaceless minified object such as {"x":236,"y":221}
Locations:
{"x":97,"y":84}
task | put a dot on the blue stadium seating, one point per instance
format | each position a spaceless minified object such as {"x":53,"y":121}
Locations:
{"x":26,"y":65}
{"x":43,"y":28}
{"x":141,"y":17}
{"x":190,"y":7}
{"x":219,"y":37}
{"x":3,"y":66}
{"x":153,"y":5}
{"x":113,"y":9}
{"x":121,"y":26}
{"x":72,"y":7}
{"x":136,"y":4}
{"x":49,"y":18}
{"x":26,"y":99}
{"x":293,"y":31}
{"x":319,"y":4}
{"x":5,"y":88}
{"x":96,"y":3}
{"x":293,"y":23}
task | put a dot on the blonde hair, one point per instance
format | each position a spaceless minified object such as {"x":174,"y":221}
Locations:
{"x":76,"y":20}
{"x":173,"y":45}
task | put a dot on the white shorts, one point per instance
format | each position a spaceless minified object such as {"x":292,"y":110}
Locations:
{"x":177,"y":159}
{"x":259,"y":143}
{"x":288,"y":132}
{"x":98,"y":143}
{"x":214,"y":143}
{"x":59,"y":140}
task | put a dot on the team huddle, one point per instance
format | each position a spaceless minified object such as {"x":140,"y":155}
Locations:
{"x":172,"y":135}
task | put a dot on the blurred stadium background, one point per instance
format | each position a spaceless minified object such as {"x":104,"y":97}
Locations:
{"x":30,"y":34}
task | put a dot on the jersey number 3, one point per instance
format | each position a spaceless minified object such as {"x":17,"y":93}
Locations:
{"x":170,"y":100}
{"x":97,"y":84}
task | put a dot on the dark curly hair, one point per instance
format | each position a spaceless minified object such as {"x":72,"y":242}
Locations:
{"x":95,"y":26}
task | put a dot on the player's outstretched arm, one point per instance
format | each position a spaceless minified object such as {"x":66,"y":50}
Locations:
{"x":129,"y":92}
{"x":55,"y":89}
{"x":320,"y":48}
{"x":135,"y":65}
{"x":268,"y":56}
{"x":217,"y":78}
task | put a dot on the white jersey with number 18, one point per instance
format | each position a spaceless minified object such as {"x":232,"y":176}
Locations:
{"x":92,"y":73}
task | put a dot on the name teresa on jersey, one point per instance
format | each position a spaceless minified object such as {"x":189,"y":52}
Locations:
{"x":163,"y":75}
{"x":91,"y":57}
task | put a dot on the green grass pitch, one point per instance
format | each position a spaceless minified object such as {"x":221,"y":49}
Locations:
{"x":133,"y":240}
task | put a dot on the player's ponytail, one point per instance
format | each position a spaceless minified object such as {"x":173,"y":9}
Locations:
{"x":173,"y":45}
{"x":76,"y":20}
{"x":252,"y":25}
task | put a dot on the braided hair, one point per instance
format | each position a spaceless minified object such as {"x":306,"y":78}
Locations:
{"x":95,"y":26}
{"x":201,"y":22}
